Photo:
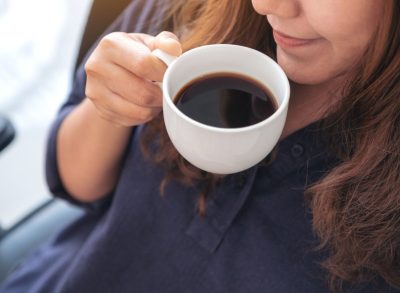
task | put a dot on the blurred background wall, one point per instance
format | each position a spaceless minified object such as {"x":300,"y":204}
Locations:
{"x":39,"y":41}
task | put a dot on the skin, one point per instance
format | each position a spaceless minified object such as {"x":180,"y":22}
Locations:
{"x":327,"y":39}
{"x":335,"y":33}
{"x":120,"y":94}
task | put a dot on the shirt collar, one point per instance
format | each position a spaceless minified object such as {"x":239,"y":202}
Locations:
{"x":303,"y":147}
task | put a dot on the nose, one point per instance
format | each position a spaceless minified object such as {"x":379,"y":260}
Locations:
{"x":281,"y":8}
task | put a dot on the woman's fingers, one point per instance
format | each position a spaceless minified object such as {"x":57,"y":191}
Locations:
{"x":118,"y":110}
{"x":130,"y":87}
{"x":120,"y":74}
{"x":165,"y":41}
{"x":132,"y":54}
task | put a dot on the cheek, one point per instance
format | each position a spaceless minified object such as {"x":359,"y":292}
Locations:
{"x":337,"y":54}
{"x":325,"y":63}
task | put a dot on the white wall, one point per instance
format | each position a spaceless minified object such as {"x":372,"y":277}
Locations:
{"x":39,"y":43}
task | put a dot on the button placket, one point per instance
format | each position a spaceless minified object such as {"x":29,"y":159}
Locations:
{"x":241,"y":181}
{"x":209,"y":230}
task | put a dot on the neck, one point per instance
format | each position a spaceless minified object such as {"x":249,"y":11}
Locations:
{"x":308,"y":104}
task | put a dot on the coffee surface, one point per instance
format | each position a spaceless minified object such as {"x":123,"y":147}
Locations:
{"x":226,"y":100}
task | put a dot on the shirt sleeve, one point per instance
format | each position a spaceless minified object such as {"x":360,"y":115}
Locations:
{"x":139,"y":16}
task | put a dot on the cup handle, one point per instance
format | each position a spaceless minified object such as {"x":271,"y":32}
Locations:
{"x":164,"y":57}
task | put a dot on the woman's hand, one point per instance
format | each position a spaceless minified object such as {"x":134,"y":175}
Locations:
{"x":121,"y":73}
{"x":91,"y":142}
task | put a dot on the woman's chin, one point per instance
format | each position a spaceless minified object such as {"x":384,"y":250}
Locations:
{"x":304,"y":79}
{"x":303,"y":72}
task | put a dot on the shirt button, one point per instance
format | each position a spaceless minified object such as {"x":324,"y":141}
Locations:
{"x":297,"y":150}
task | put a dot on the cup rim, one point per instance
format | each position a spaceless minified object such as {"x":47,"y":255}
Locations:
{"x":275,"y":115}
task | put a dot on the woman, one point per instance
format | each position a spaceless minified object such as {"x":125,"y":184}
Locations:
{"x":158,"y":224}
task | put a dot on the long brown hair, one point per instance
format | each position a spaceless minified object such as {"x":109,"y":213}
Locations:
{"x":356,"y":206}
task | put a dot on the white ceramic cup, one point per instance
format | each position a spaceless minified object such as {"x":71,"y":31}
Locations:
{"x":223,"y":150}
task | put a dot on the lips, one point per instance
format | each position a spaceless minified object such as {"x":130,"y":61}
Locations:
{"x":291,"y":42}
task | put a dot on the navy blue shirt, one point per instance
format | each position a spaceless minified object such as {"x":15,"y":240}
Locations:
{"x":256,"y":235}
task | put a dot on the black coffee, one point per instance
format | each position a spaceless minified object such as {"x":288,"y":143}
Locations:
{"x":226,"y":100}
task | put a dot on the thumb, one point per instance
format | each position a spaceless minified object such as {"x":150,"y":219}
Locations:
{"x":167,"y":42}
